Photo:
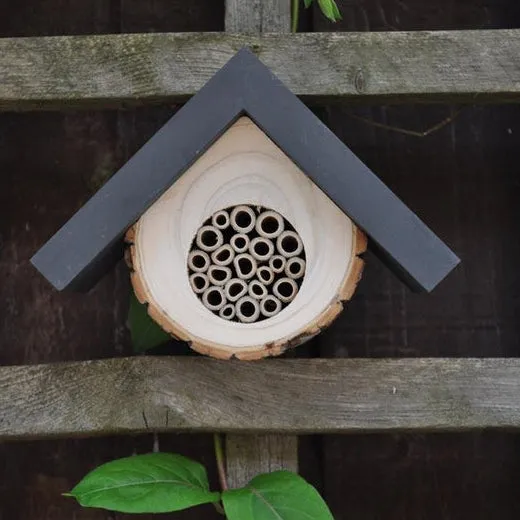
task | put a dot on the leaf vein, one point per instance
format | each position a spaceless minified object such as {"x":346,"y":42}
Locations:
{"x":266,"y":502}
{"x":141,"y":483}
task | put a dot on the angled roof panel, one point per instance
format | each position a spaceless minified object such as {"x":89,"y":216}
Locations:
{"x":416,"y":254}
{"x":87,"y":245}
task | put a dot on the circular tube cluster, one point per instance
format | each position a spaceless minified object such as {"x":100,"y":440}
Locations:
{"x":246,"y":263}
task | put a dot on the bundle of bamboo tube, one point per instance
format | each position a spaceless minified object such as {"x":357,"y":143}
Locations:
{"x":246,"y":263}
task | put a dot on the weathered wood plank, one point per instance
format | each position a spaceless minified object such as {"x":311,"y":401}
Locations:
{"x":255,"y":16}
{"x":276,"y":16}
{"x":39,"y":73}
{"x":249,"y":455}
{"x":285,"y":395}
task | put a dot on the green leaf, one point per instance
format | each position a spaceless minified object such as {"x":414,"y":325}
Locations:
{"x":145,"y":333}
{"x":337,"y":13}
{"x":153,"y":483}
{"x":330,"y":9}
{"x":307,"y":3}
{"x":276,"y":496}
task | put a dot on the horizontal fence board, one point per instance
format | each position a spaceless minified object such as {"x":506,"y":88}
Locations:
{"x":114,"y":70}
{"x":132,"y":395}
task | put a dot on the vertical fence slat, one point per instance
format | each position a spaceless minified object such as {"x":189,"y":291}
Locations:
{"x":249,"y":455}
{"x":255,"y":16}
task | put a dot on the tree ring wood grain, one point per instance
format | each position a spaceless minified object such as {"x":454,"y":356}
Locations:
{"x":244,"y":167}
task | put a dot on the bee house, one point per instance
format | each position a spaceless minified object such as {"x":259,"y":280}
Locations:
{"x":243,"y":221}
{"x":244,"y":254}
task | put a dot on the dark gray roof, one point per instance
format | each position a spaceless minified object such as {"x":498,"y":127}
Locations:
{"x":91,"y":241}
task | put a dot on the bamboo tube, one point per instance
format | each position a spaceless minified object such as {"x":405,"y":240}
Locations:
{"x":199,"y":282}
{"x":285,"y":289}
{"x":209,"y":238}
{"x":277,"y":263}
{"x":228,"y":312}
{"x":223,"y":255}
{"x":240,"y":243}
{"x":245,"y":266}
{"x":220,"y":219}
{"x":198,"y":261}
{"x":257,"y":290}
{"x":295,"y":268}
{"x":243,"y":219}
{"x":265,"y":275}
{"x":261,"y":249}
{"x":289,"y":244}
{"x":270,"y":306}
{"x":235,"y":289}
{"x":269,"y":224}
{"x":219,"y":275}
{"x":214,"y":298}
{"x":248,"y":309}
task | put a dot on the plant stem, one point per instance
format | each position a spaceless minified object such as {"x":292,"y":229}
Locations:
{"x":221,"y":461}
{"x":219,"y":508}
{"x":295,"y":15}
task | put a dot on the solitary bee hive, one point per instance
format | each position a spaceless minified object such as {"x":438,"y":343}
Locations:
{"x":244,"y":219}
{"x":244,"y":255}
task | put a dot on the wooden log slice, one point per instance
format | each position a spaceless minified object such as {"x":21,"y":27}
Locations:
{"x":244,"y":167}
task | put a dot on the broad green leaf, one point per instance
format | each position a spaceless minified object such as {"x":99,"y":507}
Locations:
{"x":276,"y":496}
{"x":307,"y":3}
{"x":153,"y":483}
{"x":145,"y":333}
{"x":330,"y":9}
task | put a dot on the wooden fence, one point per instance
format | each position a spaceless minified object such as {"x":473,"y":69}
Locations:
{"x":279,"y":398}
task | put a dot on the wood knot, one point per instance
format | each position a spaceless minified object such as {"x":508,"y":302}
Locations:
{"x":255,"y":48}
{"x":359,"y":82}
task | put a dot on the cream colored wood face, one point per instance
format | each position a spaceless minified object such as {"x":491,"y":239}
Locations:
{"x":243,"y":167}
